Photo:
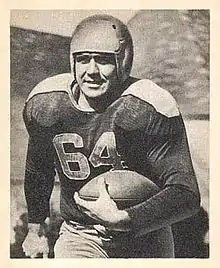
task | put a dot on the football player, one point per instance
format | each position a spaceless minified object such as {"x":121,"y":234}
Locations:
{"x":94,"y":119}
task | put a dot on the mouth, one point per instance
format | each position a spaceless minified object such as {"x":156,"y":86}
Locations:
{"x":93,"y":84}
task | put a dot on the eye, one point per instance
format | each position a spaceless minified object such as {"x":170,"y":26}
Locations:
{"x":105,"y":59}
{"x":83,"y":59}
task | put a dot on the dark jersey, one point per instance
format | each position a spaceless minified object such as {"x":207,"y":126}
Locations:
{"x":142,"y":131}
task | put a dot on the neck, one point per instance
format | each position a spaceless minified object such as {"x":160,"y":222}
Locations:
{"x":84,"y":104}
{"x":99,"y":104}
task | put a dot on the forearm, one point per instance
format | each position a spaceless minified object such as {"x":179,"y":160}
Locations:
{"x":167,"y":207}
{"x":38,"y":190}
{"x":171,"y":205}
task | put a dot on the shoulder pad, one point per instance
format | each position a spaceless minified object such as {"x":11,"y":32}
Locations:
{"x":60,"y":82}
{"x":158,"y":97}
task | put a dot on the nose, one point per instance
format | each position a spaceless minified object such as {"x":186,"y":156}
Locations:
{"x":92,"y":67}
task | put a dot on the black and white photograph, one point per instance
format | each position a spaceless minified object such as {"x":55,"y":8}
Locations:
{"x":109,"y":133}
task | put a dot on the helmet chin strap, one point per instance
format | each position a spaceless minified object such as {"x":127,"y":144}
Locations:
{"x":72,"y":63}
{"x":119,"y":73}
{"x":119,"y":59}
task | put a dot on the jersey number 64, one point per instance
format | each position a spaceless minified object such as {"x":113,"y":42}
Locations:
{"x":106,"y":142}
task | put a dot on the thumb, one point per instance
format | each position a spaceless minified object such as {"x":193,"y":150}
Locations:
{"x":77,"y":199}
{"x":102,"y":187}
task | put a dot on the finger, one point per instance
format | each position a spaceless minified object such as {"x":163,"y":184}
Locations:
{"x":90,"y":214}
{"x":77,"y":198}
{"x":80,"y":202}
{"x":33,"y":255}
{"x":28,"y":253}
{"x":103,"y":193}
{"x":45,"y":255}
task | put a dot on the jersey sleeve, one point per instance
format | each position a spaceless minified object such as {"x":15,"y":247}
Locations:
{"x":39,"y":170}
{"x":163,"y":155}
{"x":168,"y":158}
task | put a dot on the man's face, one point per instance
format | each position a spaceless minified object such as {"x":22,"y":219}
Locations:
{"x":95,"y":73}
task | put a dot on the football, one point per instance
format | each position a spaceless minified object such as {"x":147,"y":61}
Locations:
{"x":127,"y":188}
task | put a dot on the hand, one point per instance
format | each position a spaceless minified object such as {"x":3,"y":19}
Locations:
{"x":34,"y":244}
{"x":104,"y":210}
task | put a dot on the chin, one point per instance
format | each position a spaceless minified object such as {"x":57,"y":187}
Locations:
{"x":94,"y":93}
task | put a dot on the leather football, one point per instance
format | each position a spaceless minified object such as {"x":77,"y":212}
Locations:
{"x":127,"y":188}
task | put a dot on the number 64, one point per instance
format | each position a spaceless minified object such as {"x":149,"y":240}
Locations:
{"x":105,"y":142}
